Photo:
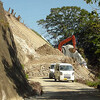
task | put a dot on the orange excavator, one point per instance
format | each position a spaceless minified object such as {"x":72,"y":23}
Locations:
{"x":67,"y":40}
{"x":71,"y":51}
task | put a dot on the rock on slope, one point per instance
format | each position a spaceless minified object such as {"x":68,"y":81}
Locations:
{"x":36,"y":54}
{"x":12,"y":78}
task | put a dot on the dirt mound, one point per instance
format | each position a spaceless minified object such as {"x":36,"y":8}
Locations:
{"x":37,"y":87}
{"x":40,"y":67}
{"x":48,"y":50}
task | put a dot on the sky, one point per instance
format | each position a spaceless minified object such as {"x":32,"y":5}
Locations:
{"x":32,"y":11}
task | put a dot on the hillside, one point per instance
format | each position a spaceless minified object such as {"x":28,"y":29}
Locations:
{"x":36,"y":54}
{"x":26,"y":40}
{"x":13,"y":84}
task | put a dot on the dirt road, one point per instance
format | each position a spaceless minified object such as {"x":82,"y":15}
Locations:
{"x":65,"y":91}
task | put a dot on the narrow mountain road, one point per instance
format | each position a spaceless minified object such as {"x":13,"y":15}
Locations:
{"x":65,"y":90}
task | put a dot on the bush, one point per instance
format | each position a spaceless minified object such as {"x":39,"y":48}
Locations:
{"x":89,"y":83}
{"x":22,"y":66}
{"x":98,"y":76}
{"x":93,"y":84}
{"x":26,"y":75}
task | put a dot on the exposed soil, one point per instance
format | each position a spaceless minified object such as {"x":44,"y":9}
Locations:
{"x":48,"y":50}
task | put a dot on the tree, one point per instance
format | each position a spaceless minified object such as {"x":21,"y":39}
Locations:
{"x":62,"y":22}
{"x":89,"y":40}
{"x":65,"y":21}
{"x":93,"y":1}
{"x":93,"y":29}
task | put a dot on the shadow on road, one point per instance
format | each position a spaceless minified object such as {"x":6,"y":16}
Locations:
{"x":52,"y":80}
{"x":65,"y":91}
{"x":45,"y":78}
{"x":72,"y":95}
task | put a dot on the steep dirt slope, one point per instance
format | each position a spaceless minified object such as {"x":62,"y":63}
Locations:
{"x":27,"y":41}
{"x":36,"y":54}
{"x":12,"y":78}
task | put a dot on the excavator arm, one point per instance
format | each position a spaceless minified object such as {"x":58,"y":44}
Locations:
{"x":67,"y":40}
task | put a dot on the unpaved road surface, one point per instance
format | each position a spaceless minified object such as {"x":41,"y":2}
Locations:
{"x":65,"y":90}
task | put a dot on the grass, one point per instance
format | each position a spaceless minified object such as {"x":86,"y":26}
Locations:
{"x":22,"y":66}
{"x":93,"y":84}
{"x":26,"y":75}
{"x":89,"y":83}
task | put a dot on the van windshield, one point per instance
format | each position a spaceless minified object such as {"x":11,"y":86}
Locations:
{"x":66,"y":68}
{"x":52,"y":67}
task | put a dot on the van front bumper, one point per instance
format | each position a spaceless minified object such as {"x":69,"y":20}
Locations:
{"x":67,"y":77}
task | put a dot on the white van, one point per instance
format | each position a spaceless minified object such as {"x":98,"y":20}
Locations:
{"x":51,"y":70}
{"x":64,"y":71}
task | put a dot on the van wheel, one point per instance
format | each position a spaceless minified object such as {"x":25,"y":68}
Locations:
{"x":55,"y":79}
{"x":50,"y":77}
{"x":59,"y":79}
{"x":72,"y":80}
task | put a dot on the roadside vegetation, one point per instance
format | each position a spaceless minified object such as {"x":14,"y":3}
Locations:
{"x":66,"y":21}
{"x":93,"y":84}
{"x":26,"y":75}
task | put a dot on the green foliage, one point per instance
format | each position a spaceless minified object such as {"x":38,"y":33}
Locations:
{"x":22,"y":66}
{"x":98,"y":76}
{"x":26,"y":75}
{"x":89,"y":40}
{"x":93,"y":1}
{"x":92,"y":83}
{"x":89,"y":83}
{"x":65,"y":21}
{"x":89,"y":1}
